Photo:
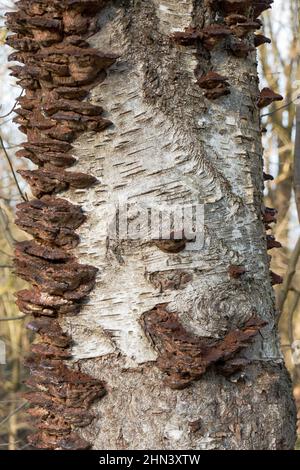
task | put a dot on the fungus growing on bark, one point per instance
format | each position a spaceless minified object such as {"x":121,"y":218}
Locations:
{"x":232,"y":6}
{"x":259,"y":6}
{"x":240,"y":30}
{"x":236,"y":271}
{"x":243,"y":7}
{"x":50,"y":332}
{"x":272,"y":242}
{"x":240,"y":48}
{"x":267,"y":177}
{"x":269,"y":215}
{"x":235,"y":18}
{"x":174,"y":279}
{"x":41,"y":304}
{"x":275,"y":278}
{"x":183,"y":356}
{"x":60,"y":68}
{"x":51,"y":220}
{"x":267,"y":97}
{"x":213,"y":34}
{"x":59,"y":400}
{"x":215,"y":85}
{"x":44,"y":440}
{"x":51,"y":180}
{"x":57,"y":277}
{"x":188,"y":37}
{"x":172,"y":245}
{"x":260,"y":39}
{"x":232,"y":366}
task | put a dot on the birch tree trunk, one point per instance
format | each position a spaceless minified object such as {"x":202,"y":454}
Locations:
{"x":170,"y":145}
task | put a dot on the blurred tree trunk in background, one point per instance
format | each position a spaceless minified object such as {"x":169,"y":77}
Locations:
{"x":280,"y":70}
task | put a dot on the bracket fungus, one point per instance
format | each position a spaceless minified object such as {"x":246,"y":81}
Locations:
{"x":189,"y":37}
{"x":240,"y":48}
{"x":267,"y":97}
{"x":184,"y":357}
{"x":268,"y":177}
{"x":242,"y":7}
{"x":213,"y":34}
{"x":275,"y":278}
{"x":215,"y":85}
{"x":236,"y":271}
{"x":269,"y":216}
{"x":260,"y":39}
{"x":272,"y":242}
{"x":241,"y":30}
{"x":60,"y":68}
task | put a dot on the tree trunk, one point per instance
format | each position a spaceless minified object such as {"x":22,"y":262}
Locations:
{"x":167,"y":327}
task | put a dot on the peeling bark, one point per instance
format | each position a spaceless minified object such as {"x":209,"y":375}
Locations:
{"x":170,"y":143}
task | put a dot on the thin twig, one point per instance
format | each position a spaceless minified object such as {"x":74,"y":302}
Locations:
{"x":286,"y":105}
{"x":13,"y":108}
{"x":289,"y":276}
{"x":12,"y":318}
{"x":13,"y":413}
{"x":12,"y":170}
{"x":9,"y":255}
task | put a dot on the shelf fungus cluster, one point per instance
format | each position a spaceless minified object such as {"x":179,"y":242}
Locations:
{"x":184,"y":357}
{"x":59,"y":68}
{"x":237,"y":20}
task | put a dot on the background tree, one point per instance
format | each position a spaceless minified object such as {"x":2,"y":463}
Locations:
{"x":280,"y":70}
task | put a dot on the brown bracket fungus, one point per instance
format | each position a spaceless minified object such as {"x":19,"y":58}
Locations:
{"x":267,"y":97}
{"x":275,"y":278}
{"x":188,"y":37}
{"x":272,"y":242}
{"x":60,"y":68}
{"x":184,"y":357}
{"x":269,"y":216}
{"x":236,"y":271}
{"x":267,"y":177}
{"x":214,"y":84}
{"x":260,"y":39}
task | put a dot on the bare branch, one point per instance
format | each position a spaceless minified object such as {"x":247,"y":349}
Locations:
{"x":13,"y":108}
{"x":12,"y":318}
{"x":289,"y":276}
{"x":12,"y":170}
{"x":7,"y":418}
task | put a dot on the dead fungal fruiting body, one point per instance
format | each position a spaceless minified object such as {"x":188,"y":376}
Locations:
{"x":235,"y":271}
{"x":236,"y":20}
{"x":267,"y":97}
{"x":59,"y":70}
{"x":184,"y":357}
{"x":214,"y":84}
